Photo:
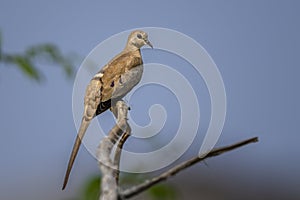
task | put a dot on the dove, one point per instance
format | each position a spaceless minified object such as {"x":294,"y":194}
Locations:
{"x":109,"y":85}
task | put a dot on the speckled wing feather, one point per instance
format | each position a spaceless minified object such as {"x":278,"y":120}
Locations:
{"x":114,"y":83}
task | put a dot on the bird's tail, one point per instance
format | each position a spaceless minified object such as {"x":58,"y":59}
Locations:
{"x":84,"y":125}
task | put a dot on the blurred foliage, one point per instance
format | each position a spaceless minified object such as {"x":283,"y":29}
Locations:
{"x":161,"y":191}
{"x":27,"y":61}
{"x":164,"y":191}
{"x":91,"y":190}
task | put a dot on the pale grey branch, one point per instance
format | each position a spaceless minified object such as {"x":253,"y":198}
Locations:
{"x":109,"y":184}
{"x":149,"y":183}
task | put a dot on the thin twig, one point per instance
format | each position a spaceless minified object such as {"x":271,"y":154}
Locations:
{"x":148,"y":183}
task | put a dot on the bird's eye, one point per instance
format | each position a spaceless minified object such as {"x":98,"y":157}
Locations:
{"x":139,"y":36}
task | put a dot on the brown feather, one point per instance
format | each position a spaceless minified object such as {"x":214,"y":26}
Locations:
{"x":113,"y":71}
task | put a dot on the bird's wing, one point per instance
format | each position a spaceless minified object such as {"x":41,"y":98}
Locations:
{"x":91,"y":102}
{"x":121,"y":75}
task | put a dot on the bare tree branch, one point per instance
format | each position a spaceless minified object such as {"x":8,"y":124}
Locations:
{"x":149,"y":183}
{"x":110,"y":167}
{"x":118,"y":152}
{"x":109,"y":184}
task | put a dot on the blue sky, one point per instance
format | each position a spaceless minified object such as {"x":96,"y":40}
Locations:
{"x":255,"y":45}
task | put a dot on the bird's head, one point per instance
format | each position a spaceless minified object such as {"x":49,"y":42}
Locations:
{"x":137,"y":39}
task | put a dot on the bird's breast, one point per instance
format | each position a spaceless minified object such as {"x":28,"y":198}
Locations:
{"x":127,"y":81}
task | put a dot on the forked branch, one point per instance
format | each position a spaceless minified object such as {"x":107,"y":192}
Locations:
{"x":110,"y":168}
{"x":110,"y":189}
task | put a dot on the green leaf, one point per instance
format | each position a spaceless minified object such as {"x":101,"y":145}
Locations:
{"x":92,"y":188}
{"x":52,"y":54}
{"x":27,"y":67}
{"x":24,"y":64}
{"x":26,"y":61}
{"x":162,"y":191}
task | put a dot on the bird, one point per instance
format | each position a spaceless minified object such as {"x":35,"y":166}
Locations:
{"x":109,"y":85}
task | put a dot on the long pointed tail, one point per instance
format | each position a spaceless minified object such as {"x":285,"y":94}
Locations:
{"x":84,"y":125}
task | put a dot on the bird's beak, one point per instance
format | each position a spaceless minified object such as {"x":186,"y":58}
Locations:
{"x":149,"y":43}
